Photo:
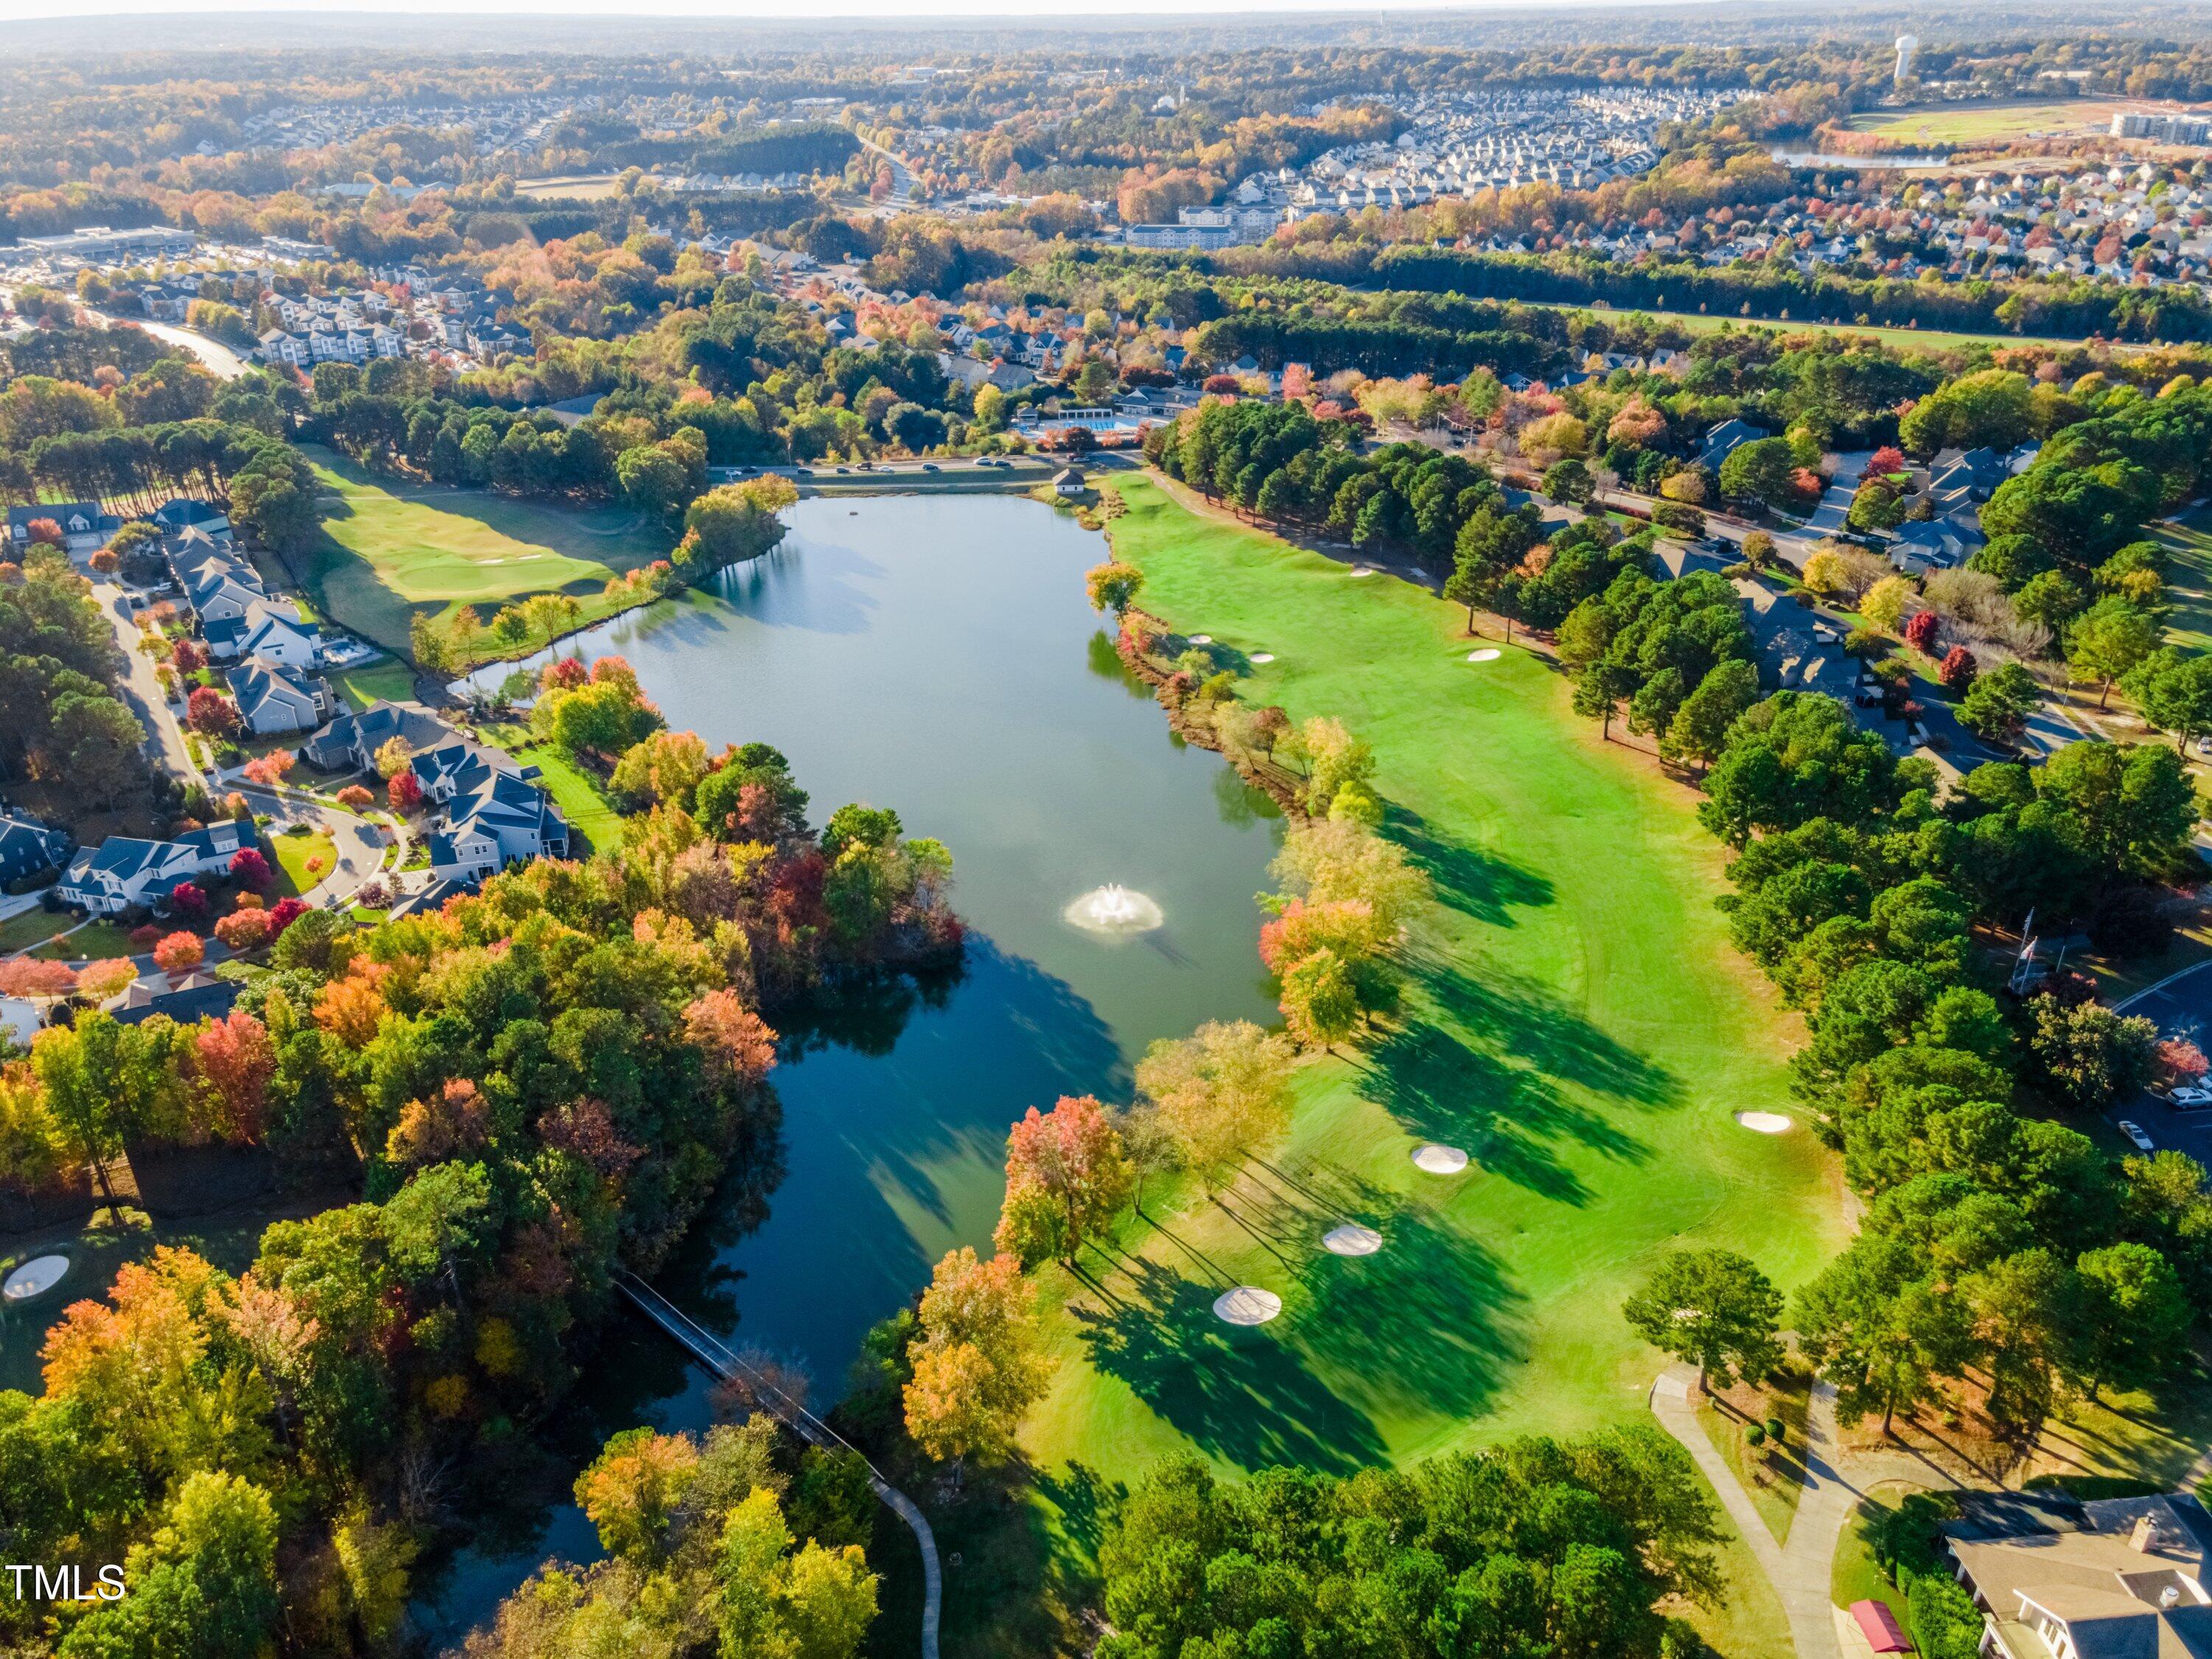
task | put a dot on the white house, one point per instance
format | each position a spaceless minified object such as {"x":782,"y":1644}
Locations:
{"x":124,"y":871}
{"x":267,"y":629}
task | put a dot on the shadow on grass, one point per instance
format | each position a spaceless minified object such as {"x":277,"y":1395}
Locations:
{"x":1240,"y":1395}
{"x":1503,"y":1100}
{"x":1429,"y":1326}
{"x":1467,"y":879}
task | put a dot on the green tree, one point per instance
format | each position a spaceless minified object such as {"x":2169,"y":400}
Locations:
{"x":2127,"y":807}
{"x":1113,"y":585}
{"x":203,"y":1587}
{"x":1883,"y":1328}
{"x":1712,"y":1308}
{"x":2134,"y":1315}
{"x":1762,"y":470}
{"x":1996,"y":706}
{"x":2108,"y":641}
{"x":2174,"y":692}
{"x":1699,"y":730}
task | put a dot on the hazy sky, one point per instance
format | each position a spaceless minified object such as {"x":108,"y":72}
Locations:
{"x":778,"y":10}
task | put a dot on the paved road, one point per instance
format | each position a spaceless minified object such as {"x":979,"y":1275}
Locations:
{"x":141,"y":686}
{"x":218,"y":358}
{"x":2182,"y":1007}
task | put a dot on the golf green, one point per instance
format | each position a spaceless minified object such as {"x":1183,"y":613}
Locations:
{"x":1576,"y":1021}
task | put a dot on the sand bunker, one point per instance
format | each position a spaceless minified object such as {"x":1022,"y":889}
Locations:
{"x":1440,"y":1160}
{"x":1764,"y":1123}
{"x":1262,"y":656}
{"x":1247,"y":1305}
{"x":1351,"y":1239}
{"x":1488,"y":653}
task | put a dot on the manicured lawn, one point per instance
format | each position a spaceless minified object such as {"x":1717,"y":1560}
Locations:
{"x":1856,"y":1575}
{"x":99,"y":939}
{"x":295,"y":853}
{"x":381,"y":681}
{"x":1775,"y":1481}
{"x":1903,"y":339}
{"x":1983,"y":124}
{"x":388,"y":550}
{"x":32,"y":927}
{"x":2188,"y":542}
{"x":1575,"y":1020}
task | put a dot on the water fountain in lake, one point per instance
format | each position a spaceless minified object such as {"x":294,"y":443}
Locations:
{"x":1114,"y":910}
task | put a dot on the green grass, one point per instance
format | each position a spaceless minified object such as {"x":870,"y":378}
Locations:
{"x":293,"y":855}
{"x":574,"y":790}
{"x":2188,"y":544}
{"x":1775,"y":1483}
{"x":1576,"y":1019}
{"x":1856,"y":1575}
{"x":1983,"y":124}
{"x":101,"y":940}
{"x":385,"y":681}
{"x":1903,"y":339}
{"x":32,"y":927}
{"x":387,"y":550}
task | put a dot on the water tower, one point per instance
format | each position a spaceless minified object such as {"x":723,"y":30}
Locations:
{"x":1906,"y":46}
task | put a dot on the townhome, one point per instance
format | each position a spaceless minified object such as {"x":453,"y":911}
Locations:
{"x":123,"y":872}
{"x":268,"y":629}
{"x":274,"y":698}
{"x":500,"y":818}
{"x":29,"y":847}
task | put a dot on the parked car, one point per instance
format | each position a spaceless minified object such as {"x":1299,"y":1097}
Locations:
{"x":2190,"y":1099}
{"x":2134,"y":1133}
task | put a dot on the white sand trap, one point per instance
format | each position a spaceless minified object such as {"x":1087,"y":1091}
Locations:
{"x":1351,"y":1239}
{"x":1488,"y":653}
{"x":1440,"y":1160}
{"x":1362,"y":570}
{"x":1247,"y":1305}
{"x":1201,"y":639}
{"x":1764,"y":1123}
{"x":1262,"y":656}
{"x":34,"y":1278}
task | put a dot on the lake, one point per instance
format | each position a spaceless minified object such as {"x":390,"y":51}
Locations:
{"x":934,"y":654}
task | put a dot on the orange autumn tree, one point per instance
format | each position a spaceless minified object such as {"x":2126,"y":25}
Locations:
{"x":979,"y":1364}
{"x":1066,"y":1178}
{"x":350,"y":1008}
{"x":238,"y":1059}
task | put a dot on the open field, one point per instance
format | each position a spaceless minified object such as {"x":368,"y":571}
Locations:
{"x":1575,"y":1021}
{"x":388,"y":550}
{"x":1907,"y":339}
{"x":569,"y":187}
{"x":1991,"y":123}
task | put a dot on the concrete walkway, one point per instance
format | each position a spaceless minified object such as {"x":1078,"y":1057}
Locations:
{"x":1800,"y":1569}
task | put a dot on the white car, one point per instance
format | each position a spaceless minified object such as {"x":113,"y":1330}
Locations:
{"x":2134,"y":1132}
{"x":2191,"y":1097}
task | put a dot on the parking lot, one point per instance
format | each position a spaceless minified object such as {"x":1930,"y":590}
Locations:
{"x":2182,"y":1007}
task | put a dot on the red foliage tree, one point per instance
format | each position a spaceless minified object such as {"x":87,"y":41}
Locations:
{"x":1887,"y":459}
{"x":249,"y":868}
{"x":355,"y":796}
{"x":283,"y":913}
{"x":187,"y":656}
{"x":563,"y":674}
{"x":237,"y":1059}
{"x":46,"y":532}
{"x":1958,"y":670}
{"x":207,"y":710}
{"x":241,"y":930}
{"x":405,"y":791}
{"x":1920,"y":632}
{"x":187,"y":898}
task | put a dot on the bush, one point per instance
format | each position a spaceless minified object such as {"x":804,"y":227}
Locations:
{"x":1943,"y":1620}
